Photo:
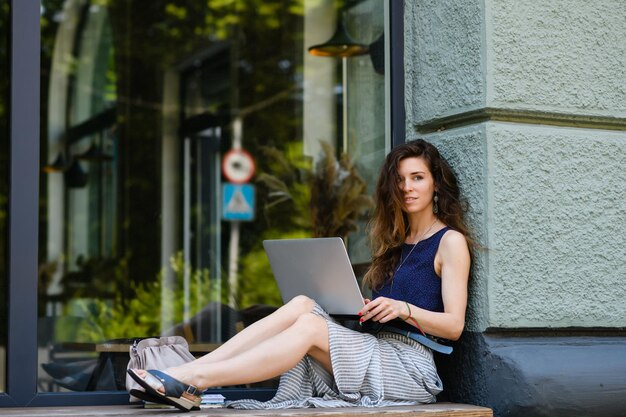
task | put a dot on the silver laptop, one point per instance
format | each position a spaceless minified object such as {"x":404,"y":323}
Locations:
{"x":318,"y":268}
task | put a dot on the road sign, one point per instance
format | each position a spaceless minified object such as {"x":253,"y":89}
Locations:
{"x":238,"y":166}
{"x":238,"y":202}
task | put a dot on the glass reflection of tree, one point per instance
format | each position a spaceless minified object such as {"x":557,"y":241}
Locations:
{"x":301,"y":200}
{"x":262,"y":35}
{"x":149,"y":38}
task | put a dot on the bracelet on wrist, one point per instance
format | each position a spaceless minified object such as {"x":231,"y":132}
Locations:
{"x":413,"y":320}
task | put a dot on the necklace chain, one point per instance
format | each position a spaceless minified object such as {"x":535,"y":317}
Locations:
{"x":414,"y":245}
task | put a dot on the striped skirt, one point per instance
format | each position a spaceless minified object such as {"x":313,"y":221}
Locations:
{"x":368,"y":371}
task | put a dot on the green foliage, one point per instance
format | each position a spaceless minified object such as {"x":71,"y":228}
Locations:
{"x":93,"y":278}
{"x":299,"y":201}
{"x":328,"y":200}
{"x":141,"y":315}
{"x":288,"y":192}
{"x":256,"y":281}
{"x":338,"y":195}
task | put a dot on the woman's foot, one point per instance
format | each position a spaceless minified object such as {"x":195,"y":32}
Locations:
{"x":168,"y":388}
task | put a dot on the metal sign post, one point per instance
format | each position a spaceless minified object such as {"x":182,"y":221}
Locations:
{"x":238,"y":201}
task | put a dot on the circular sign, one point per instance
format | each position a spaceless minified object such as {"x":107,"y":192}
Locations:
{"x":238,"y":166}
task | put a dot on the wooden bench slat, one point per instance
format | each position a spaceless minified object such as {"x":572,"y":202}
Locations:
{"x":429,"y":410}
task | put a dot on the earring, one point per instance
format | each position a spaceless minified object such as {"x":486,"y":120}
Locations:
{"x":435,"y":205}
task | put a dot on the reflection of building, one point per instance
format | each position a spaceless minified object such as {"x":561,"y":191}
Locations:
{"x":139,"y":104}
{"x":139,"y":100}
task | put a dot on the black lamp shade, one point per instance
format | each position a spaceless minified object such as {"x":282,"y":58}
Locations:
{"x":58,"y":165}
{"x":75,"y":176}
{"x":340,"y":45}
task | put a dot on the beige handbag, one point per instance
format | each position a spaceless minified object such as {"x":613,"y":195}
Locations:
{"x":156,"y":353}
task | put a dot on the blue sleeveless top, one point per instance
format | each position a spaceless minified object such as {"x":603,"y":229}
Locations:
{"x":416,"y":281}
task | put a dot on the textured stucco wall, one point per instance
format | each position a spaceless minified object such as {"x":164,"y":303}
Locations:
{"x":551,"y":200}
{"x":443,"y":58}
{"x":557,"y":234}
{"x":548,"y":203}
{"x":548,"y":206}
{"x":466,"y":151}
{"x":565,"y":56}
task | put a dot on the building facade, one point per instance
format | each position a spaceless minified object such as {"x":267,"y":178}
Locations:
{"x":149,"y":148}
{"x":528,"y":101}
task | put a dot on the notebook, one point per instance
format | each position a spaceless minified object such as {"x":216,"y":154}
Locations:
{"x":318,"y":268}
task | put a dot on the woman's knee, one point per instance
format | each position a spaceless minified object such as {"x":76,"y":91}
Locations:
{"x":301,"y":304}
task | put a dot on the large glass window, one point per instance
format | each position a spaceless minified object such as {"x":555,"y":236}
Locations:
{"x":141,"y":232}
{"x":4,"y":183}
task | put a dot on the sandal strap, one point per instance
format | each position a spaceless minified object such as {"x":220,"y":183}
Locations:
{"x":173,"y":387}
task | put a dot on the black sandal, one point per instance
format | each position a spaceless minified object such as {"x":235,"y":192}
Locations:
{"x":180,"y":395}
{"x":149,"y":398}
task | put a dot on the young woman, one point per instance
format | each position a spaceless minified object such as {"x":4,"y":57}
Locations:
{"x":419,"y":275}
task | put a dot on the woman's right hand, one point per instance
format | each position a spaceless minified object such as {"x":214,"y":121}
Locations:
{"x":382,"y":310}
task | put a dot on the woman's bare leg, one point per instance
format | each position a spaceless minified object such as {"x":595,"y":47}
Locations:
{"x":259,"y":331}
{"x":268,"y":359}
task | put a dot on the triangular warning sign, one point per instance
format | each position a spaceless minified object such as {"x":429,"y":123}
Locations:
{"x":238,"y":203}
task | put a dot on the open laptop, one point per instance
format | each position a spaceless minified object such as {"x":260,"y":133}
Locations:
{"x":318,"y":268}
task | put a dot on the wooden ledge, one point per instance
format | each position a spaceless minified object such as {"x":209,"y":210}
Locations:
{"x":428,"y":410}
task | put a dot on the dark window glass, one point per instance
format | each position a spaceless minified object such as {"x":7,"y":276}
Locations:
{"x":140,"y":233}
{"x":4,"y":182}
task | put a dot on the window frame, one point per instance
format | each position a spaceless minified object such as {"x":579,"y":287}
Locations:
{"x":23,"y":202}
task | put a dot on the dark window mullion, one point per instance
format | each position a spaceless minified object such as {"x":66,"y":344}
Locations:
{"x":23,"y":201}
{"x":396,"y":42}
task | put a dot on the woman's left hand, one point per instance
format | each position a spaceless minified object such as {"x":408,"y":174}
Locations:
{"x":382,"y":310}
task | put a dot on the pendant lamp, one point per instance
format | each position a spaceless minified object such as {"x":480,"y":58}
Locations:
{"x":340,"y":45}
{"x":75,"y":176}
{"x":58,"y":165}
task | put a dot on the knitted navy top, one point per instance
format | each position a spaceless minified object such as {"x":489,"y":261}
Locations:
{"x":416,"y":280}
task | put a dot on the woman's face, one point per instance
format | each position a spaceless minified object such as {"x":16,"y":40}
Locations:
{"x":417,"y":184}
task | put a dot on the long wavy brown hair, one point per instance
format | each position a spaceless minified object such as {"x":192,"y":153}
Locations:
{"x":389,"y":225}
